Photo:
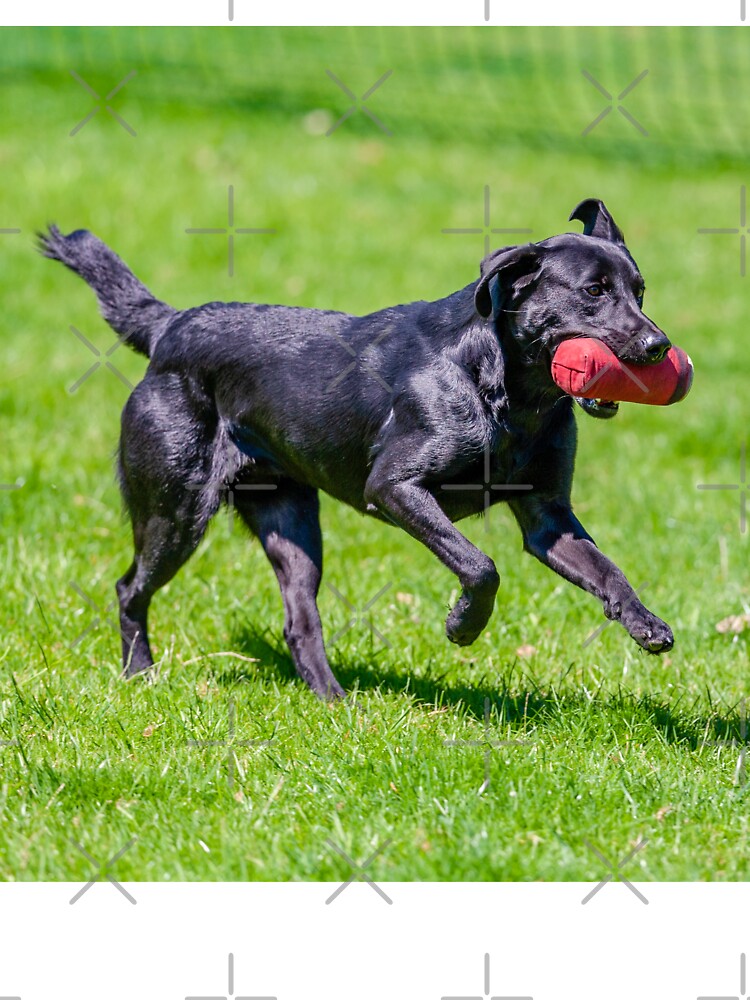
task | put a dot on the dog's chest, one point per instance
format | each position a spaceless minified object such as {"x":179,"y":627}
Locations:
{"x":501,"y":471}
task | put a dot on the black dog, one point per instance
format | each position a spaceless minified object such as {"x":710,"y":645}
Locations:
{"x":442,"y":394}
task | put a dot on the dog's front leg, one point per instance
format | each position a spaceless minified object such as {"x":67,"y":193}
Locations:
{"x":412,"y":507}
{"x":557,"y":538}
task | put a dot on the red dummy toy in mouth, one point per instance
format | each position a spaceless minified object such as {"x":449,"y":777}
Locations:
{"x":586,"y":368}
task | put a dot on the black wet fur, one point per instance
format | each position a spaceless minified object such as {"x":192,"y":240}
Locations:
{"x":384,"y":412}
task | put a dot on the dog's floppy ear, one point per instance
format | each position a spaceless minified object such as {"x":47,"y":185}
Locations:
{"x":507,"y":264}
{"x":597,"y":221}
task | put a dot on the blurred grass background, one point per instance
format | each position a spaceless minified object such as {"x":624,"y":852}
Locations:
{"x":619,"y":746}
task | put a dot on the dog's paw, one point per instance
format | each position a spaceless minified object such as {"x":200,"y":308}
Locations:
{"x":330,"y":691}
{"x":654,"y":635}
{"x":462,"y":636}
{"x":145,"y":671}
{"x":468,"y":619}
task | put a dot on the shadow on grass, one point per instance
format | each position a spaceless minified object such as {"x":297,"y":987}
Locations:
{"x":518,"y":701}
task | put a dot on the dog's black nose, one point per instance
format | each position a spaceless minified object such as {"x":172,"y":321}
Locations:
{"x":655,"y":346}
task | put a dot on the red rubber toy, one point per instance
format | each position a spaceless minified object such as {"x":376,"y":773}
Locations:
{"x":585,"y":367}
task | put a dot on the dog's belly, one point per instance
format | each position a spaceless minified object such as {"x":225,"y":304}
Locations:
{"x":339,"y":466}
{"x":328,"y":466}
{"x":473,"y":499}
{"x":474,"y":492}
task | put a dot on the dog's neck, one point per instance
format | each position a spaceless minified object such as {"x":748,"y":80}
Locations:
{"x":527,"y":381}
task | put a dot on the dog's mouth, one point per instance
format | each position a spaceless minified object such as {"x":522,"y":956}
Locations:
{"x":602,"y":409}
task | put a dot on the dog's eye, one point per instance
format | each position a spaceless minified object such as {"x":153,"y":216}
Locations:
{"x":639,"y":297}
{"x":595,"y":290}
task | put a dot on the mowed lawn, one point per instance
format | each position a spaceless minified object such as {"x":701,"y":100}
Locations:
{"x":226,"y":767}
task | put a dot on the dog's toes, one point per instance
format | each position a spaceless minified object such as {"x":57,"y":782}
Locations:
{"x":460,"y":631}
{"x":660,"y":645}
{"x":144,"y":672}
{"x":327,"y":689}
{"x":334,"y":692}
{"x":461,"y":637}
{"x":656,"y":637}
{"x":469,"y":617}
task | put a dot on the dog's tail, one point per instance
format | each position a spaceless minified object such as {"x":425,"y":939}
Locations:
{"x":126,"y":304}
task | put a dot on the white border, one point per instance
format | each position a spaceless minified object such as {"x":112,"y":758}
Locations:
{"x":428,"y":945}
{"x":373,"y":12}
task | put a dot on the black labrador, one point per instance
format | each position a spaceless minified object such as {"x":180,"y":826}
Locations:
{"x":268,"y":401}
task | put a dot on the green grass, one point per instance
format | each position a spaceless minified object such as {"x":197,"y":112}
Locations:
{"x":613,"y":745}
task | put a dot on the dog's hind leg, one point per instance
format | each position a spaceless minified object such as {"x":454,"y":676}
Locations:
{"x":162,"y":546}
{"x":167,"y":480}
{"x":286,"y":522}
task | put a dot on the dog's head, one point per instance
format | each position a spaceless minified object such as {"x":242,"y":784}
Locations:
{"x":576,"y":285}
